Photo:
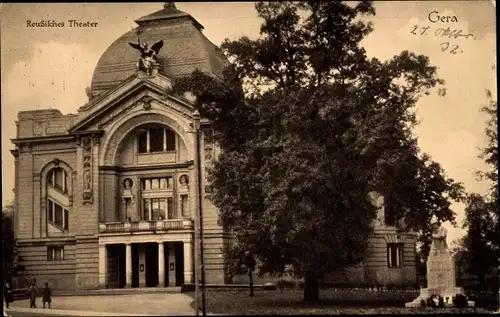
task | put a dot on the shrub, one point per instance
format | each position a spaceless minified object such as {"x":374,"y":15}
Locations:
{"x":460,"y":301}
{"x":422,"y":303}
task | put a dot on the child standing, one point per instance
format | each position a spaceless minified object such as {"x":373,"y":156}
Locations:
{"x":47,"y":295}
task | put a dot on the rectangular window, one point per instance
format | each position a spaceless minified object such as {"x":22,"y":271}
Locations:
{"x":163,"y":183}
{"x":146,"y":210}
{"x":156,"y":140}
{"x":55,"y":253}
{"x":155,"y":208}
{"x":170,"y":135}
{"x":142,"y":140}
{"x":155,"y":183}
{"x":161,"y":212}
{"x":185,"y":205}
{"x":170,"y":208}
{"x":58,"y":217}
{"x":395,"y":254}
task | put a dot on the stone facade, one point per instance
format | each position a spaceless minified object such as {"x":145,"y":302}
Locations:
{"x":101,"y":202}
{"x":96,"y":154}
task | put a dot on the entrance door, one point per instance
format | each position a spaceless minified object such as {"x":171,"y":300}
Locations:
{"x":135,"y":265}
{"x":179,"y":263}
{"x":121,"y":266}
{"x":151,"y":264}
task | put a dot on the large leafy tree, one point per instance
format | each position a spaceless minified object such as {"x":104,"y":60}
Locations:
{"x":8,"y":241}
{"x":480,"y":246}
{"x":309,"y":126}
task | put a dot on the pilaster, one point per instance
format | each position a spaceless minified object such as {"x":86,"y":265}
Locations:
{"x":161,"y":264}
{"x":103,"y":266}
{"x":188,"y":262}
{"x":128,"y":265}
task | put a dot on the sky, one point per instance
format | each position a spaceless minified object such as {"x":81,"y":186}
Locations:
{"x":45,"y":68}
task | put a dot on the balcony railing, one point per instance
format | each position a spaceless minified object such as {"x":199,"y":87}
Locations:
{"x":157,"y":225}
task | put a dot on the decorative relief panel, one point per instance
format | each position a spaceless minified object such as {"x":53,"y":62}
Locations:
{"x":87,"y":169}
{"x":57,"y":125}
{"x":209,"y":152}
{"x":39,"y":128}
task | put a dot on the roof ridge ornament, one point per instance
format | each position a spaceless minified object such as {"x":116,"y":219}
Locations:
{"x":169,"y":5}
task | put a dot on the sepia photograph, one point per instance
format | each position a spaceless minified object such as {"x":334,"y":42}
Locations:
{"x":249,"y":158}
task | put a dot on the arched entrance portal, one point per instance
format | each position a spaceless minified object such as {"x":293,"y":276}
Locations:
{"x":144,"y":192}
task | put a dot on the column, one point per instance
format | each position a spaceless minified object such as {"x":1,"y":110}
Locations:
{"x":161,"y":264}
{"x":103,"y":266}
{"x":128,"y":265}
{"x":188,"y":262}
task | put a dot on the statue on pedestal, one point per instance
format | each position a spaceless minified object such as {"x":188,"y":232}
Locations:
{"x":441,"y":279}
{"x":439,"y":245}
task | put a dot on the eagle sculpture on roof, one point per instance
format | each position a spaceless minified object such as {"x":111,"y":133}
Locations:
{"x":149,"y":55}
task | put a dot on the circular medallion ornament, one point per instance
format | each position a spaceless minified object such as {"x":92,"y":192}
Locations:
{"x":184,"y":180}
{"x":128,"y":183}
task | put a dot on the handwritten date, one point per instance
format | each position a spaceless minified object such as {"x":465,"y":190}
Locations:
{"x":446,"y":33}
{"x":441,"y":32}
{"x":447,"y":46}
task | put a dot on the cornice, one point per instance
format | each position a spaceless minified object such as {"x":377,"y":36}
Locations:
{"x":44,"y":139}
{"x":147,"y":167}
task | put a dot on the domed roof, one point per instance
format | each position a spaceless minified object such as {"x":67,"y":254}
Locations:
{"x":185,"y":49}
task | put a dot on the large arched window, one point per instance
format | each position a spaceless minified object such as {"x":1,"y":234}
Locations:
{"x":58,"y":179}
{"x":157,"y":138}
{"x":57,"y":215}
{"x":57,"y":194}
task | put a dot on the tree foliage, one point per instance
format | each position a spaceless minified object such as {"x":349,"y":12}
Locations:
{"x":309,"y":126}
{"x":480,"y":246}
{"x":8,"y":241}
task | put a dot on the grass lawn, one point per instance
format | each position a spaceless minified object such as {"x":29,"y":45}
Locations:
{"x":289,"y":302}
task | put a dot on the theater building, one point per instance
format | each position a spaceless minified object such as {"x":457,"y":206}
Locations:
{"x":106,"y":197}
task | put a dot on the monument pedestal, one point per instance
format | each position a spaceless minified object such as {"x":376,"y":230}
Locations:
{"x":441,"y":280}
{"x":425,"y":293}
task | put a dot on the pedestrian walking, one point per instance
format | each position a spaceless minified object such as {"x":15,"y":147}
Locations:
{"x":7,"y":293}
{"x":47,"y":295}
{"x":32,"y":292}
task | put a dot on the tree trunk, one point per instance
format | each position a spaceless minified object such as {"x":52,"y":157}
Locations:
{"x":250,"y":275}
{"x":311,"y":288}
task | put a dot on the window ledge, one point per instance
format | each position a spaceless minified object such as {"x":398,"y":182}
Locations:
{"x":156,"y":153}
{"x":58,"y":227}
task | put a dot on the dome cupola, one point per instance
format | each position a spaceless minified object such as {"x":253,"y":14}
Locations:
{"x":185,"y":49}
